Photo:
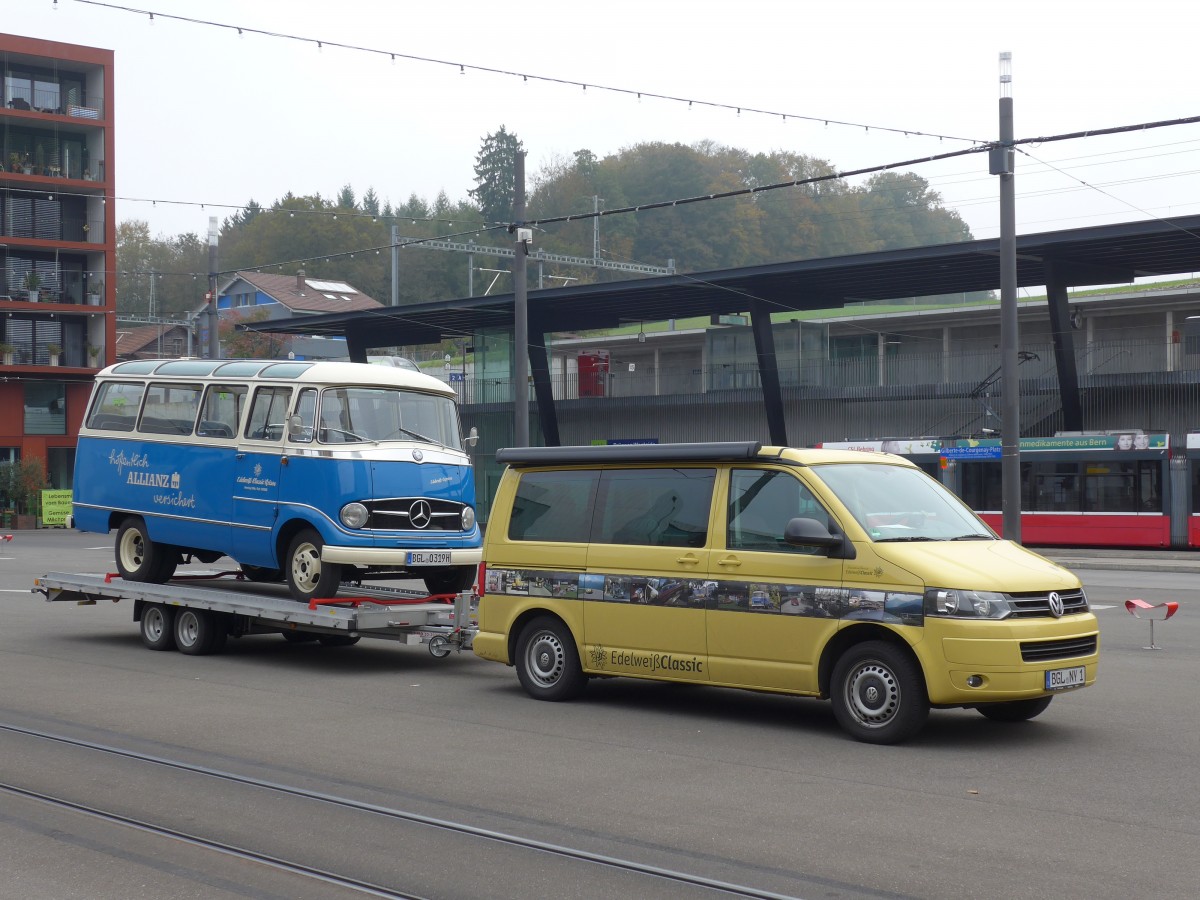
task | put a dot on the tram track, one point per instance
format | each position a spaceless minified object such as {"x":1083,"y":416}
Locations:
{"x":665,"y":876}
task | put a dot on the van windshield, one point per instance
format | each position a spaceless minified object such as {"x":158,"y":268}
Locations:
{"x":896,"y":503}
{"x":351,"y":415}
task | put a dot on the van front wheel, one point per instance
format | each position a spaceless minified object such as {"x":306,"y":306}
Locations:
{"x":307,"y":575}
{"x":878,"y":693}
{"x":547,"y":661}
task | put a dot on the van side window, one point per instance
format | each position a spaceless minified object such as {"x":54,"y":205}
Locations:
{"x":761,"y":503}
{"x":116,"y":406}
{"x":222,"y":410}
{"x":268,"y":414}
{"x":554,"y":506}
{"x":654,"y":507}
{"x":306,"y":409}
{"x":170,"y":408}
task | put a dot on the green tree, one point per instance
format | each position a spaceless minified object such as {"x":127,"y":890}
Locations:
{"x":495,"y":175}
{"x":21,"y":482}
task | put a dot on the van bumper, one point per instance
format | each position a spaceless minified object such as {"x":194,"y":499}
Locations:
{"x":396,"y":556}
{"x":491,"y":645}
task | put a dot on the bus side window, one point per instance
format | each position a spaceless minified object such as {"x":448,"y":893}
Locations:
{"x":268,"y":414}
{"x":116,"y":406}
{"x":170,"y":409}
{"x":222,"y":410}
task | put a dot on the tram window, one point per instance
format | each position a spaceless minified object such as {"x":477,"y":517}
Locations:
{"x":981,"y":485}
{"x":1055,"y":487}
{"x":1110,"y":487}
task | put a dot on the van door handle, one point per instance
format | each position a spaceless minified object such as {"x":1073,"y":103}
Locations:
{"x":687,"y":560}
{"x":240,"y":456}
{"x":729,"y":561}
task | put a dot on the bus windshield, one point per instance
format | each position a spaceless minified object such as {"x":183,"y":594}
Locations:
{"x":896,"y":503}
{"x":372,"y":414}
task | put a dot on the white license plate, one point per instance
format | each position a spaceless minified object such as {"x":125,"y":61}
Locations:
{"x":429,"y":558}
{"x":1061,"y":679}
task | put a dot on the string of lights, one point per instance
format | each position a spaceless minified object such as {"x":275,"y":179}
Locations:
{"x":464,"y":67}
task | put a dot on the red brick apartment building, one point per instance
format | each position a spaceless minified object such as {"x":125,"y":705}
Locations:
{"x":57,"y":244}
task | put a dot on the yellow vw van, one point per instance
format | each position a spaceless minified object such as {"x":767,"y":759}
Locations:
{"x":841,"y":574}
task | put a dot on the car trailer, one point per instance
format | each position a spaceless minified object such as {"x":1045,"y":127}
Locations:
{"x":196,"y":618}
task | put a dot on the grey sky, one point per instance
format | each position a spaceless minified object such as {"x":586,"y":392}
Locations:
{"x":206,"y":116}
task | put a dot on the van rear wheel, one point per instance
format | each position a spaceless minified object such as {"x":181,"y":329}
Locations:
{"x":1015,"y":710}
{"x":878,"y":693}
{"x":307,"y":576}
{"x":547,"y":661}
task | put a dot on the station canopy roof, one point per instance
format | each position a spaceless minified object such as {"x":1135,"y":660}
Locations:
{"x":1106,"y":254}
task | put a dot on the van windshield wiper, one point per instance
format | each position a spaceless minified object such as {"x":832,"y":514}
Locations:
{"x":973,"y":537}
{"x":893,"y":540}
{"x":412,"y":434}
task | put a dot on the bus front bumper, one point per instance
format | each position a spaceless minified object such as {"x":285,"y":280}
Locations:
{"x":399,"y":557}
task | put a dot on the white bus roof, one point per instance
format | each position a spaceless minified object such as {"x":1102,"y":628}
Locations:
{"x":300,"y":371}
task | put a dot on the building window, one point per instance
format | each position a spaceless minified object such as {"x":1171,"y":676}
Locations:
{"x":45,"y":407}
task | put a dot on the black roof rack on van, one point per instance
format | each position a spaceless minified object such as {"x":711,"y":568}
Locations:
{"x":712,"y":451}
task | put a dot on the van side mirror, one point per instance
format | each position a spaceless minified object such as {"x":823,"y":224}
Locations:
{"x":472,"y":438}
{"x":295,"y":427}
{"x":806,"y":532}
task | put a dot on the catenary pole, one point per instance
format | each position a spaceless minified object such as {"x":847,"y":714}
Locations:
{"x":520,"y":309}
{"x":1010,"y":416}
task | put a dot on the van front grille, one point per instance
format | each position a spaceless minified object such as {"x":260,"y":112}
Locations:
{"x":1040,"y":651}
{"x":1036,"y":604}
{"x":413,"y":514}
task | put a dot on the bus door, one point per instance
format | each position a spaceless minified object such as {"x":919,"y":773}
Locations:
{"x":774,"y":604}
{"x":647,"y":572}
{"x":257,"y":476}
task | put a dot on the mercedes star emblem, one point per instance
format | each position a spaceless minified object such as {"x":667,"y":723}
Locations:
{"x":419,"y":516}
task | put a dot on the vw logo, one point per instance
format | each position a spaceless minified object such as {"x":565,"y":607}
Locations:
{"x":420,"y":515}
{"x":1056,"y":604}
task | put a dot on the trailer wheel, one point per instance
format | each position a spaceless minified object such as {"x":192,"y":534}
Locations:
{"x":878,"y":693}
{"x":1015,"y":710}
{"x":141,"y":559}
{"x":198,"y":632}
{"x":307,"y":575}
{"x":338,"y":640}
{"x":298,"y":637}
{"x":158,"y":626}
{"x":439,"y":647}
{"x":547,"y":661}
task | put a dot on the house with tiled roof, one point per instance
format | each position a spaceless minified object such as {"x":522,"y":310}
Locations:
{"x":254,"y":295}
{"x":153,"y":342}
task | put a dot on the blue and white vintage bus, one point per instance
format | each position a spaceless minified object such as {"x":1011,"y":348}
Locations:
{"x":311,"y":472}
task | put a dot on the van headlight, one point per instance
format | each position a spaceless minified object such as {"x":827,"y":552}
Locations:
{"x":468,"y":518}
{"x":354,"y":515}
{"x":954,"y":603}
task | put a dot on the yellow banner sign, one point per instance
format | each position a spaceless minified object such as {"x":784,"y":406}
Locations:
{"x":56,"y":506}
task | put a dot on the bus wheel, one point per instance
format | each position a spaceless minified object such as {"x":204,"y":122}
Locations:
{"x":878,"y":693}
{"x":138,"y":557}
{"x":158,"y":626}
{"x":198,"y":632}
{"x":307,"y":576}
{"x":547,"y":661}
{"x":1015,"y":710}
{"x":262,"y":574}
{"x":450,"y":581}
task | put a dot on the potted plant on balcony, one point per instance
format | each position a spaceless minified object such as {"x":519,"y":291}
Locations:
{"x":14,"y":162}
{"x":95,"y":291}
{"x":6,"y":353}
{"x":93,"y":353}
{"x":53,"y":351}
{"x":33,"y":281}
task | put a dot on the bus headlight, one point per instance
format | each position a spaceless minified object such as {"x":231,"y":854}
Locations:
{"x":468,"y":518}
{"x":354,"y":515}
{"x":966,"y":604}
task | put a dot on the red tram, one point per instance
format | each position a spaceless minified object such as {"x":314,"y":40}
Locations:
{"x":1115,"y":489}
